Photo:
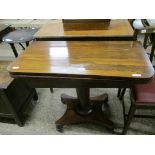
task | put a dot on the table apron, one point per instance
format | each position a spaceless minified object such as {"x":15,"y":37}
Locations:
{"x":87,"y":38}
{"x":75,"y":83}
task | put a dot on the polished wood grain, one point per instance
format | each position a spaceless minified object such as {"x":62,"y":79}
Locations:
{"x":5,"y":78}
{"x":54,"y":30}
{"x":87,"y":59}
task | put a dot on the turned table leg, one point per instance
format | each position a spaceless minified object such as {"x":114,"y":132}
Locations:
{"x":84,"y":106}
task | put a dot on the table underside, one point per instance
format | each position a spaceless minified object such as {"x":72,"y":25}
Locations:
{"x":82,"y":109}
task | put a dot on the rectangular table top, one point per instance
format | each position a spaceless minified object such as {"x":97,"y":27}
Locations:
{"x":54,"y":29}
{"x":84,"y":59}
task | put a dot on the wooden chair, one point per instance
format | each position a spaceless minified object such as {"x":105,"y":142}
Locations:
{"x":142,"y":97}
{"x":149,"y":32}
{"x":15,"y":96}
{"x":149,"y":36}
{"x":138,"y":25}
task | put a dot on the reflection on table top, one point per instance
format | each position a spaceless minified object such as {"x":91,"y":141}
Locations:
{"x":55,"y":29}
{"x":102,"y":59}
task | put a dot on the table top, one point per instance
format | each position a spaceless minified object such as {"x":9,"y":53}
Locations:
{"x":54,"y":29}
{"x":5,"y":78}
{"x":84,"y":59}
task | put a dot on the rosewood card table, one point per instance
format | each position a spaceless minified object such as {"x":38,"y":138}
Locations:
{"x":83,"y":65}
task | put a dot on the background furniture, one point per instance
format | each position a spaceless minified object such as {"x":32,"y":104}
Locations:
{"x":4,"y":29}
{"x":85,"y":24}
{"x":151,"y":32}
{"x":55,"y":31}
{"x":19,"y":36}
{"x":15,"y":95}
{"x":138,"y":25}
{"x":145,"y":27}
{"x":142,"y":97}
{"x":83,"y":65}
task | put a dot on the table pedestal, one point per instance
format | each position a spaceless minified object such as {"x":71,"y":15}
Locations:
{"x":84,"y":110}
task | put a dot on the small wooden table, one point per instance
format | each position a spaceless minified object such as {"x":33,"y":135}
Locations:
{"x":83,"y":65}
{"x":55,"y":30}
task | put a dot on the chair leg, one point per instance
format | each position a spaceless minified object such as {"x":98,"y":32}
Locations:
{"x":152,"y":52}
{"x":14,"y":49}
{"x":35,"y":97}
{"x":129,"y":118}
{"x":122,"y":93}
{"x":119,"y":92}
{"x":123,"y":106}
{"x":145,"y":40}
{"x":27,"y":44}
{"x":22,"y":46}
{"x":51,"y":89}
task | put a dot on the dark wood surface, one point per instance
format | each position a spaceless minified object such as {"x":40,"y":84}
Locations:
{"x":55,"y":30}
{"x":13,"y":103}
{"x":85,"y":20}
{"x":85,"y":24}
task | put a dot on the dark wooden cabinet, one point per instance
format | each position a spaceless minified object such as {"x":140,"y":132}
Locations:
{"x":15,"y":96}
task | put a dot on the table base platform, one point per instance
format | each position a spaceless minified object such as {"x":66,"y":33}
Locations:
{"x":74,"y":116}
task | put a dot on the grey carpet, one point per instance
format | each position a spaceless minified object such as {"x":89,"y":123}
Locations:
{"x":49,"y":108}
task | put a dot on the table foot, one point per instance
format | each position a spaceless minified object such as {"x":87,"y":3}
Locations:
{"x":72,"y":116}
{"x":59,"y":128}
